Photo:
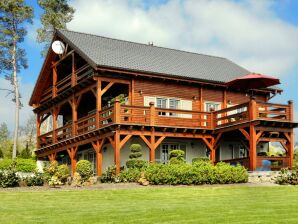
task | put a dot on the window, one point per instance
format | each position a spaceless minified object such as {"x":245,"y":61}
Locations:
{"x":162,"y":103}
{"x":212,"y":105}
{"x":167,"y":103}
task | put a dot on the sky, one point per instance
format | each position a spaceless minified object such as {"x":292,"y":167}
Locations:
{"x":260,"y":36}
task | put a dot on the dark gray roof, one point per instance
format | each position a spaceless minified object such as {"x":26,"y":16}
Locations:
{"x":108,"y":52}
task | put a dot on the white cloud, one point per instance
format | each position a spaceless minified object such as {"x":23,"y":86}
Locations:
{"x":7,"y":108}
{"x":249,"y":33}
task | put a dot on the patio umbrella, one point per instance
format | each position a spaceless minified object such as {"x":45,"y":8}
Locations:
{"x":253,"y":81}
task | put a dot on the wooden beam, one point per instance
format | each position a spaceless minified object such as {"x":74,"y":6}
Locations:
{"x":107,"y":88}
{"x":246,"y":135}
{"x":252,"y":148}
{"x":123,"y":141}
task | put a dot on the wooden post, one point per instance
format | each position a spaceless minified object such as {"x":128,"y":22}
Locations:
{"x":97,"y":146}
{"x":212,"y":156}
{"x":52,"y":156}
{"x":152,"y":113}
{"x":98,"y":102}
{"x":73,"y":74}
{"x":291,"y":114}
{"x":252,"y":148}
{"x":290,"y":142}
{"x":152,"y":143}
{"x":212,"y":118}
{"x":55,"y":116}
{"x":74,"y":115}
{"x":117,"y":151}
{"x":252,"y":109}
{"x":37,"y":130}
{"x":72,"y":152}
{"x":117,"y":112}
{"x":54,"y":81}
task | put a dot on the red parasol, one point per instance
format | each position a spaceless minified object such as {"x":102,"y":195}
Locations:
{"x":253,"y":81}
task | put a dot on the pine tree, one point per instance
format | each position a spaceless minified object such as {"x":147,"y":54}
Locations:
{"x":57,"y":13}
{"x":13,"y":16}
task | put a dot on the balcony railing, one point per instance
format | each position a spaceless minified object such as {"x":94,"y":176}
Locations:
{"x":66,"y":83}
{"x":153,"y":116}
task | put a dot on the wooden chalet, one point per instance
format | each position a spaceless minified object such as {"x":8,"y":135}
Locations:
{"x":101,"y":95}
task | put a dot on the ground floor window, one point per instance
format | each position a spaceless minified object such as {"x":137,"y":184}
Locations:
{"x":163,"y":152}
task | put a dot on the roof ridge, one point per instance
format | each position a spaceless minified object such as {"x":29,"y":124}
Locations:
{"x":168,"y":48}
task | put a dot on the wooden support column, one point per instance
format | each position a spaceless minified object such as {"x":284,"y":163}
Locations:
{"x":117,"y":112}
{"x":152,"y":113}
{"x":252,"y":148}
{"x":73,"y":74}
{"x":117,"y":144}
{"x":98,"y":102}
{"x":55,"y":116}
{"x":117,"y":158}
{"x":210,"y":145}
{"x":74,"y":105}
{"x":72,"y":152}
{"x":54,"y":94}
{"x":52,"y":156}
{"x":38,"y":123}
{"x":152,"y":144}
{"x":97,"y":146}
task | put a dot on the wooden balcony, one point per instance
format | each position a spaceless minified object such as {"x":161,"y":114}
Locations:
{"x":174,"y":118}
{"x":66,"y":83}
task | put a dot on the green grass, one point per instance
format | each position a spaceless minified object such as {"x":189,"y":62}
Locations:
{"x":227,"y":204}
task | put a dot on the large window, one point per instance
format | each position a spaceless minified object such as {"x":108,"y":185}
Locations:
{"x":167,"y":103}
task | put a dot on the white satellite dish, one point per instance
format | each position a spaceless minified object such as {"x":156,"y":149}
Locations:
{"x":58,"y":47}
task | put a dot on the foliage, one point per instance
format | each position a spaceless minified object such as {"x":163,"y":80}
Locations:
{"x":13,"y":16}
{"x":55,"y":16}
{"x":62,"y":173}
{"x":21,"y":165}
{"x":287,"y":176}
{"x":120,"y":97}
{"x":36,"y":180}
{"x":109,"y":176}
{"x":199,"y":159}
{"x":5,"y":164}
{"x":134,"y":157}
{"x":176,"y":156}
{"x":201,"y":172}
{"x":25,"y":165}
{"x":5,"y":142}
{"x":8,"y":178}
{"x":130,"y":175}
{"x":1,"y":154}
{"x":56,"y":174}
{"x":84,"y":168}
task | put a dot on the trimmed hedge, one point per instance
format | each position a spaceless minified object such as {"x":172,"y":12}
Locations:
{"x":22,"y":165}
{"x":199,"y":173}
{"x":84,"y":168}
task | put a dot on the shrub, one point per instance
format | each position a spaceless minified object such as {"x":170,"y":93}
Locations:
{"x":5,"y":164}
{"x":25,"y":165}
{"x":9,"y":178}
{"x":36,"y":180}
{"x":22,"y":165}
{"x":109,"y":175}
{"x":135,"y":155}
{"x":84,"y":168}
{"x":130,"y":175}
{"x":202,"y":172}
{"x":62,"y":173}
{"x":199,"y":159}
{"x":1,"y":154}
{"x":286,"y":176}
{"x":136,"y":163}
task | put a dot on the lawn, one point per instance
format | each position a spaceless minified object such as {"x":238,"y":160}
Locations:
{"x":227,"y":204}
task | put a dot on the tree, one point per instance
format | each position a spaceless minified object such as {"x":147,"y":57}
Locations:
{"x":5,"y":142}
{"x":13,"y":16}
{"x":57,"y":13}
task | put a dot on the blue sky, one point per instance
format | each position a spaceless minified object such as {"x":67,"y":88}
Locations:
{"x":258,"y":35}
